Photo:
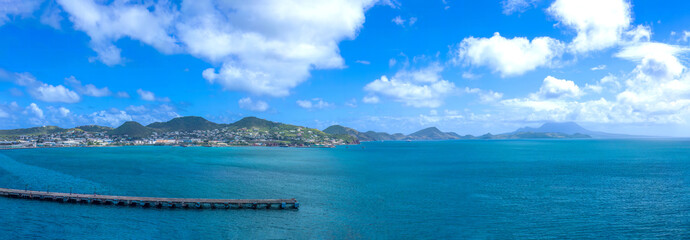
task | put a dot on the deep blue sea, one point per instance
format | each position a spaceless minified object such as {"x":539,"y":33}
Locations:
{"x":507,"y":189}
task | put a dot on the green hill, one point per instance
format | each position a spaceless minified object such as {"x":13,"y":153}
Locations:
{"x":254,"y":122}
{"x":338,"y":130}
{"x":94,"y":128}
{"x":32,"y":131}
{"x":132,"y":129}
{"x":185,"y":124}
{"x":382,"y":136}
{"x":363,"y":136}
{"x":432,"y":133}
{"x":425,"y":134}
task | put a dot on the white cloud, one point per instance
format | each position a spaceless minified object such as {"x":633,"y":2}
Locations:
{"x":274,"y":50}
{"x":150,"y":96}
{"x":46,"y":92}
{"x":316,"y":103}
{"x":513,"y":6}
{"x":35,"y":110}
{"x":63,"y":111}
{"x":557,"y":88}
{"x":371,"y":99}
{"x":485,"y":96}
{"x":417,"y":88}
{"x":252,"y":105}
{"x":638,"y":34}
{"x":490,"y":96}
{"x":657,"y":91}
{"x":50,"y":93}
{"x":509,"y":57}
{"x":114,"y":117}
{"x":146,"y":95}
{"x":4,"y":114}
{"x":597,"y":68}
{"x":9,"y":8}
{"x":111,"y":118}
{"x":363,"y":62}
{"x":266,"y":47}
{"x":686,"y":36}
{"x":655,"y":59}
{"x":88,"y":89}
{"x":304,"y":103}
{"x":469,"y":75}
{"x":599,"y":23}
{"x":106,"y":24}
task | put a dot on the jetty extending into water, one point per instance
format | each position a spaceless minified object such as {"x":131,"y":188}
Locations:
{"x":150,"y":202}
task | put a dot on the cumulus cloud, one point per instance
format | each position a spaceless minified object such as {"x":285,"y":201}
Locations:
{"x":63,"y":111}
{"x":263,"y":47}
{"x":557,"y":88}
{"x":50,"y":93}
{"x":509,"y":57}
{"x":106,"y":24}
{"x":418,"y":88}
{"x":656,"y":91}
{"x":45,"y":92}
{"x":686,"y":36}
{"x":599,"y":23}
{"x":22,"y":8}
{"x":253,"y":105}
{"x":88,"y":89}
{"x":316,"y":103}
{"x":35,"y":110}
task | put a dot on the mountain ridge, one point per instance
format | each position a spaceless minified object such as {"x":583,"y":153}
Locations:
{"x":549,"y":130}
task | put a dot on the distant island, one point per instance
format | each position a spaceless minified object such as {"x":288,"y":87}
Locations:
{"x":252,"y":131}
{"x":434,"y":133}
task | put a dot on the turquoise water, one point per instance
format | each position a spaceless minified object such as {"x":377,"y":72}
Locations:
{"x":382,"y":190}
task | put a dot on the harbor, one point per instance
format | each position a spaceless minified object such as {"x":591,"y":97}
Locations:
{"x":151,"y":202}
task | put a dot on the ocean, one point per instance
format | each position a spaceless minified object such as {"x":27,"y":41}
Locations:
{"x":495,"y":189}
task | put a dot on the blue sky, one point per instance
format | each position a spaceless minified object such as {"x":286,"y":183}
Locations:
{"x":466,"y":66}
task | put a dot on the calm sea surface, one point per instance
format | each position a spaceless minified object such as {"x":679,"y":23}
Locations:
{"x":393,"y":190}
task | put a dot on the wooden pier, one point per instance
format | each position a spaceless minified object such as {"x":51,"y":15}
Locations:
{"x":153,"y":202}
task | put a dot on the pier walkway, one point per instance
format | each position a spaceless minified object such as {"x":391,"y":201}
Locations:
{"x":153,"y":202}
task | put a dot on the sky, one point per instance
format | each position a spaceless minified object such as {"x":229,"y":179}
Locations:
{"x":470,"y":67}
